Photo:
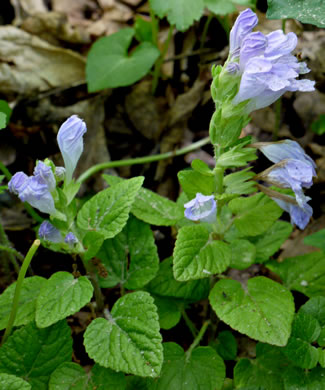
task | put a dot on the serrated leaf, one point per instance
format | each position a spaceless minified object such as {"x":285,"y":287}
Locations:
{"x":12,"y":382}
{"x":197,"y":256}
{"x":255,"y":214}
{"x":201,"y":167}
{"x":317,"y":240}
{"x":243,"y":254}
{"x":316,"y":308}
{"x":61,"y":296}
{"x":26,"y":304}
{"x":263,"y":302}
{"x":221,"y":7}
{"x":160,"y":7}
{"x":129,"y":340}
{"x":165,"y":285}
{"x":240,"y":182}
{"x":296,"y":378}
{"x":202,"y":370}
{"x":306,"y":11}
{"x":168,"y":312}
{"x":108,"y":211}
{"x":131,"y":257}
{"x":193,"y":182}
{"x":71,"y":376}
{"x":110,"y":66}
{"x":92,"y":241}
{"x":304,"y":273}
{"x":33,"y":353}
{"x":151,"y":207}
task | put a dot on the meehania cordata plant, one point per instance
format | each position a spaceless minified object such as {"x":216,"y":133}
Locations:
{"x":231,"y":220}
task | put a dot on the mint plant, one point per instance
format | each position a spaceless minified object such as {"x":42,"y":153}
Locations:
{"x":227,"y":217}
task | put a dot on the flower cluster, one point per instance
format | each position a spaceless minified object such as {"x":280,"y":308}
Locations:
{"x":264,"y":62}
{"x":293,"y":169}
{"x":48,"y":232}
{"x":202,"y":208}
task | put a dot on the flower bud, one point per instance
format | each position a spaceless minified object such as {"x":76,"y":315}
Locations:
{"x":70,"y":239}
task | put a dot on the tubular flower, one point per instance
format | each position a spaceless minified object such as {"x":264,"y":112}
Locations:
{"x":299,"y":214}
{"x":70,"y":239}
{"x":49,"y":233}
{"x":44,"y":174}
{"x":70,"y":140}
{"x":201,"y":208}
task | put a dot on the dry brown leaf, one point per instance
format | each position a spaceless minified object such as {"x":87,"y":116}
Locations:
{"x":29,"y":64}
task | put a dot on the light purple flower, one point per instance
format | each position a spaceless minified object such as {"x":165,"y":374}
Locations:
{"x":50,"y":233}
{"x":60,"y":173}
{"x":45,"y":175}
{"x":244,"y":24}
{"x":254,"y":44}
{"x":70,"y":140}
{"x":18,"y":182}
{"x":299,"y":215}
{"x":70,"y":239}
{"x":201,"y":208}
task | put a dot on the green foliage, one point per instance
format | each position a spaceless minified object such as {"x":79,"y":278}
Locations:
{"x":26,"y":304}
{"x":242,"y":254}
{"x":131,"y":257}
{"x":110,"y":66}
{"x":236,"y":156}
{"x":168,"y":311}
{"x":129,"y":339}
{"x":108,"y":211}
{"x":12,"y":382}
{"x":5,"y":114}
{"x":306,"y":11}
{"x":152,"y":208}
{"x":92,"y":242}
{"x":221,"y":7}
{"x":60,"y":296}
{"x":203,"y":369}
{"x":197,"y":255}
{"x":143,"y":29}
{"x":318,"y":126}
{"x":304,"y":273}
{"x":317,"y":240}
{"x":33,"y":353}
{"x":71,"y":376}
{"x":263,"y":302}
{"x":226,"y":345}
{"x":296,"y":378}
{"x":316,"y":308}
{"x":193,"y":182}
{"x":240,"y":182}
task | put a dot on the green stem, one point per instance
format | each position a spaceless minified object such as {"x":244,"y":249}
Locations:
{"x":4,"y":239}
{"x":13,"y":251}
{"x":159,"y":62}
{"x":197,"y":339}
{"x":205,"y":30}
{"x":189,"y":323}
{"x":141,"y":160}
{"x":18,"y":288}
{"x":218,"y":179}
{"x":5,"y":171}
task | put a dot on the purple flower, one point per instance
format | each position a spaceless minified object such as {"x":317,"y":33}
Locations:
{"x":49,"y":233}
{"x":299,"y":215}
{"x":201,"y":208}
{"x":45,"y":175}
{"x":244,"y":24}
{"x":70,"y":239}
{"x":254,"y":44}
{"x":60,"y":173}
{"x":70,"y":140}
{"x":18,"y":183}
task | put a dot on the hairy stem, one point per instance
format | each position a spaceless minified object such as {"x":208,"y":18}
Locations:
{"x":21,"y":276}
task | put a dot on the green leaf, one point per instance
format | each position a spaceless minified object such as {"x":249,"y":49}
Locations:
{"x":270,"y":242}
{"x":61,"y":296}
{"x":33,"y":353}
{"x":197,"y":256}
{"x":240,"y":182}
{"x":305,"y":330}
{"x":110,"y":66}
{"x":201,"y":167}
{"x":3,"y":120}
{"x":143,"y":29}
{"x":296,"y":378}
{"x":226,"y":345}
{"x":263,"y":302}
{"x":202,"y":370}
{"x":221,"y":7}
{"x":304,"y":273}
{"x":193,"y":182}
{"x":316,"y":308}
{"x":321,"y":357}
{"x":71,"y":376}
{"x":237,"y":156}
{"x":136,"y":383}
{"x":242,"y":254}
{"x":26,"y":304}
{"x":255,"y":214}
{"x":92,"y":241}
{"x":317,"y":240}
{"x":318,"y":126}
{"x":108,"y":211}
{"x":12,"y":382}
{"x":5,"y":114}
{"x":151,"y":207}
{"x":168,"y":312}
{"x":129,"y":340}
{"x":321,"y":339}
{"x":160,"y":7}
{"x":165,"y":285}
{"x":131,"y":257}
{"x":266,"y":370}
{"x":306,"y":11}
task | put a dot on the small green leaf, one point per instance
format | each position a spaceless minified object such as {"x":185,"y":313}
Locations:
{"x":12,"y":382}
{"x":110,"y":66}
{"x":3,"y":120}
{"x":202,"y":370}
{"x":201,"y":167}
{"x":26,"y":304}
{"x":240,"y":182}
{"x":168,"y":312}
{"x":304,"y":273}
{"x":151,"y":207}
{"x":255,"y":214}
{"x":226,"y":345}
{"x":33,"y":353}
{"x":321,"y":338}
{"x":321,"y":357}
{"x":92,"y":241}
{"x":263,"y":302}
{"x":193,"y":182}
{"x":316,"y":308}
{"x":143,"y":29}
{"x":160,"y":7}
{"x":61,"y":296}
{"x":317,"y":240}
{"x":318,"y":126}
{"x":129,"y":340}
{"x":197,"y":256}
{"x":296,"y":378}
{"x":306,"y":11}
{"x":108,"y":211}
{"x":165,"y":285}
{"x":5,"y":114}
{"x":242,"y":254}
{"x":131,"y":257}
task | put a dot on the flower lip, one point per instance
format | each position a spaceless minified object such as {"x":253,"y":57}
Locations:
{"x":201,"y":208}
{"x":45,"y":175}
{"x":244,"y":24}
{"x":18,"y":183}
